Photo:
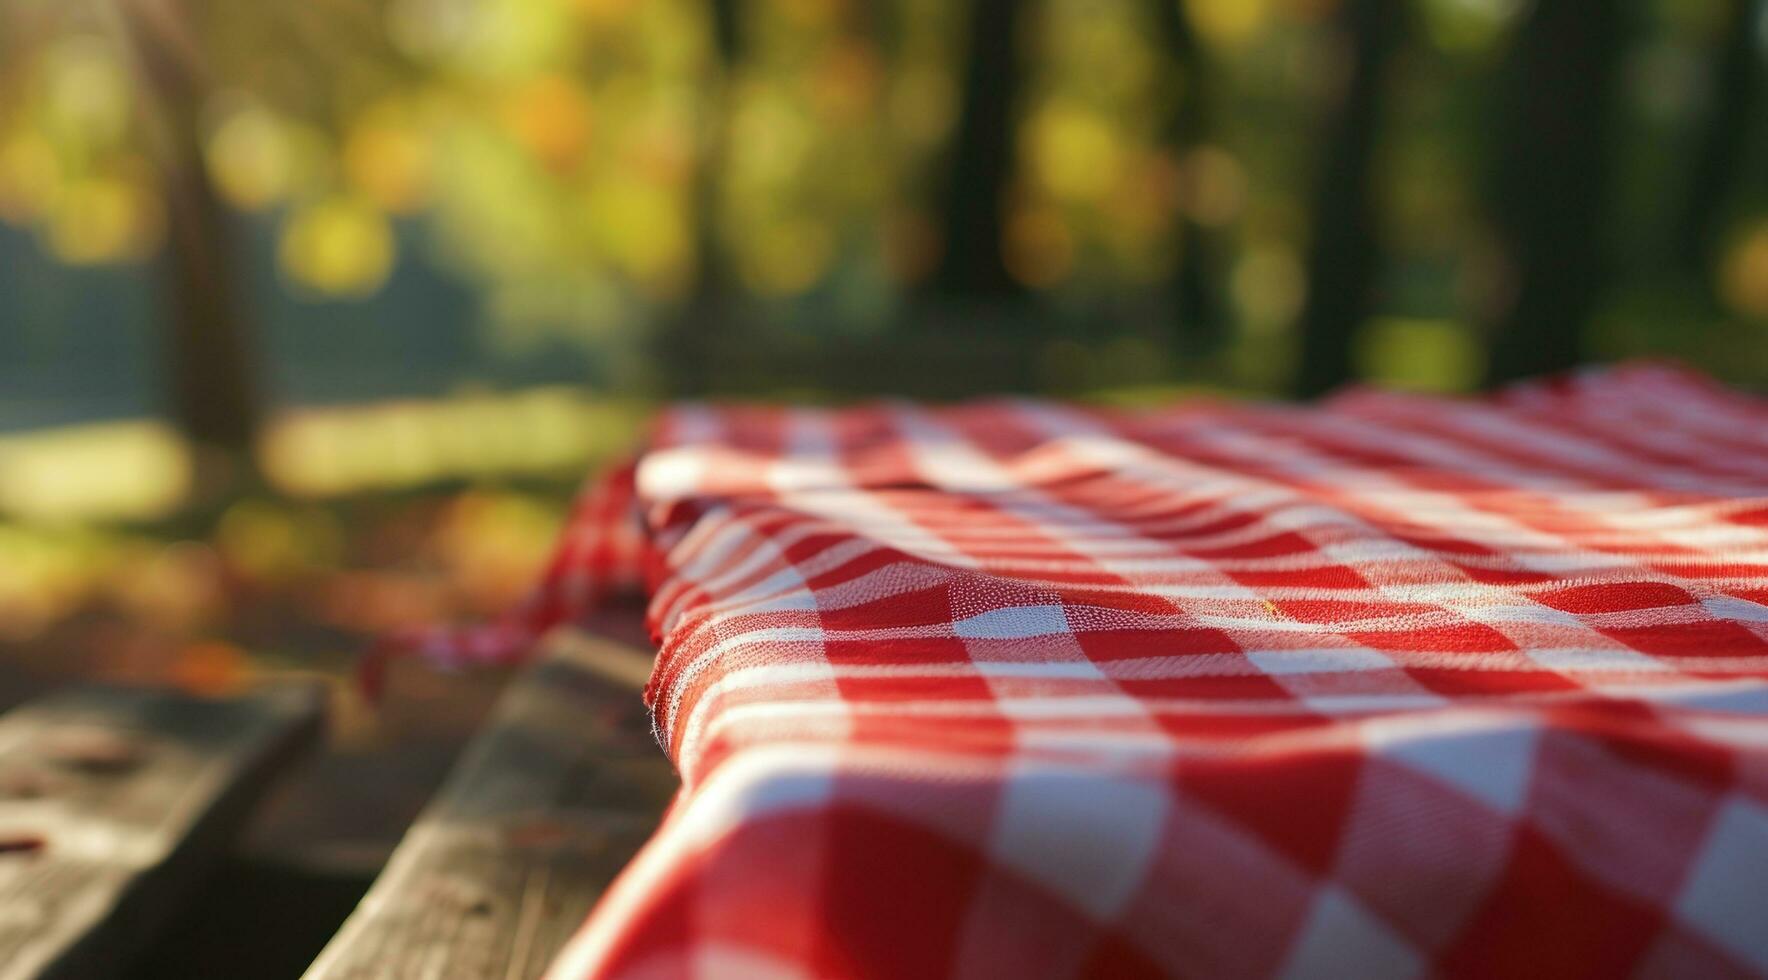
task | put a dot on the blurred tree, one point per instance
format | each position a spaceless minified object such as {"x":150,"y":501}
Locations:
{"x":1344,"y":252}
{"x":1196,"y":303}
{"x":972,"y":262}
{"x":611,"y":175}
{"x":1724,"y":136}
{"x":213,"y":389}
{"x":683,"y":340}
{"x":1552,"y":119}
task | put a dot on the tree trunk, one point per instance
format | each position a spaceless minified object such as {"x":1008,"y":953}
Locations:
{"x":1723,"y":138}
{"x":682,"y":343}
{"x":1551,"y":178}
{"x":214,"y":390}
{"x":1344,"y":255}
{"x":972,"y":265}
{"x":1196,"y":302}
{"x":209,"y":359}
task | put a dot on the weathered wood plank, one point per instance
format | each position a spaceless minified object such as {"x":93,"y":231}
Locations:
{"x":545,"y":807}
{"x":114,"y":802}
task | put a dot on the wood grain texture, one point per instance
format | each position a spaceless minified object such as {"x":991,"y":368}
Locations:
{"x":544,"y":808}
{"x":114,"y":802}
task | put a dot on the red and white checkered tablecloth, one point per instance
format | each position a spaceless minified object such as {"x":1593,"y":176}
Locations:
{"x":1384,"y":686}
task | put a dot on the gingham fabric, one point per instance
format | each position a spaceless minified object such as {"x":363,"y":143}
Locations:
{"x":1386,"y":686}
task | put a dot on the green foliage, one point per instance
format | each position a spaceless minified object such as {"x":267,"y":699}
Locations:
{"x":568,"y":157}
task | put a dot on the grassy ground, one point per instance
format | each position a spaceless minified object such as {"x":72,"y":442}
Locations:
{"x":115,"y":567}
{"x":272,"y":589}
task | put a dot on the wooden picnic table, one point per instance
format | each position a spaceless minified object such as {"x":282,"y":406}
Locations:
{"x":114,"y":804}
{"x":547,"y":804}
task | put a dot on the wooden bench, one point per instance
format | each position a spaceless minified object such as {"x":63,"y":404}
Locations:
{"x":545,"y":807}
{"x":114,"y":802}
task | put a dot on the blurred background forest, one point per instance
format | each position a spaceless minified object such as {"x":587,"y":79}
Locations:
{"x":312,"y":313}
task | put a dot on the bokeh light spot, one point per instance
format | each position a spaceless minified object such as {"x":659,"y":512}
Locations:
{"x":1743,"y":278}
{"x":30,"y":175}
{"x":1268,"y":286}
{"x":549,"y":116}
{"x":103,"y":219}
{"x":1418,"y":354}
{"x":250,"y":158}
{"x":340,"y":247}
